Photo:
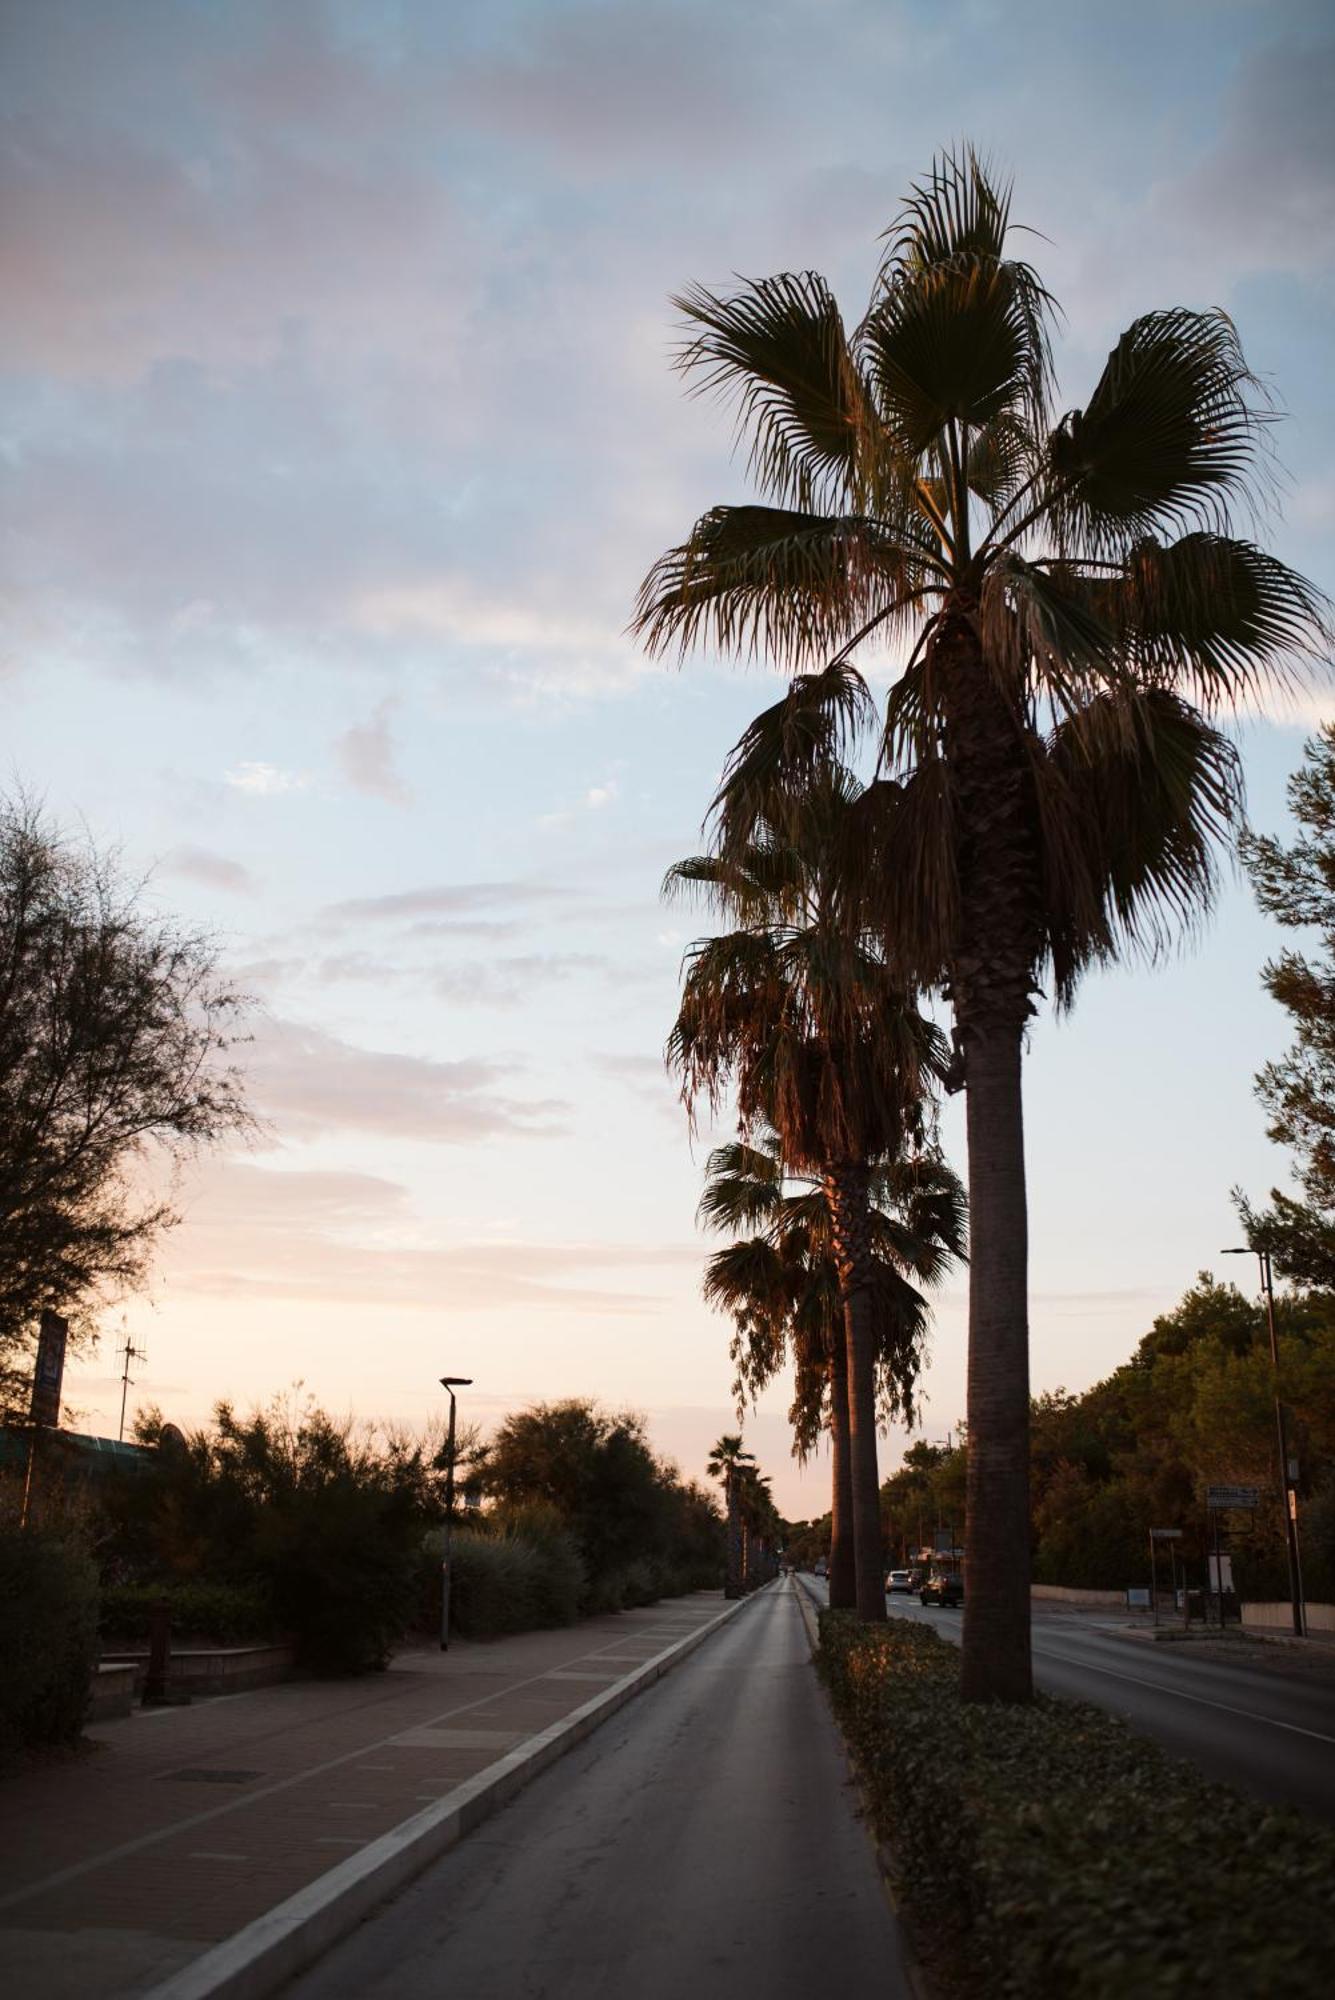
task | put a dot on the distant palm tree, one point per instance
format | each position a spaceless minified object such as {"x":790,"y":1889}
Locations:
{"x":800,"y":1011}
{"x":726,"y":1459}
{"x":760,"y":1525}
{"x":781,"y":1287}
{"x":1081,"y":610}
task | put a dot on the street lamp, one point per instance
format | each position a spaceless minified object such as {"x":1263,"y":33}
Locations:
{"x":449,"y":1383}
{"x":1286,"y":1483}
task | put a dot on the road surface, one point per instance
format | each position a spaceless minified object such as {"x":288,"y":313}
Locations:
{"x":1255,"y":1726}
{"x":702,"y":1845}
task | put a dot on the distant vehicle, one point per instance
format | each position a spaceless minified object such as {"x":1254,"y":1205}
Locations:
{"x":820,"y":1567}
{"x":944,"y":1587}
{"x":899,"y":1579}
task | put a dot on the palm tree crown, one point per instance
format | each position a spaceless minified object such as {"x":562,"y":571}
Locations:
{"x":1078,"y":611}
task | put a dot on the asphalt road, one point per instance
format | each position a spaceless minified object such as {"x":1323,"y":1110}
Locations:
{"x":702,"y":1844}
{"x":1251,"y":1725}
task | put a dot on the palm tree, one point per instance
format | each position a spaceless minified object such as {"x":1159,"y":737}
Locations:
{"x":781,"y":1287}
{"x":726,"y":1459}
{"x":760,"y":1524}
{"x":800,"y":1010}
{"x":1081,"y":611}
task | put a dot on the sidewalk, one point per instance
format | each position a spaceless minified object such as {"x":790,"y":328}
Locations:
{"x":184,"y":1824}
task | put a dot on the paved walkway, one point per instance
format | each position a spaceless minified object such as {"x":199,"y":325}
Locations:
{"x":183,"y":1824}
{"x":705,"y":1843}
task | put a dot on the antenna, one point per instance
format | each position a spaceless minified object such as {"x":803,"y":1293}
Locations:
{"x":131,"y":1353}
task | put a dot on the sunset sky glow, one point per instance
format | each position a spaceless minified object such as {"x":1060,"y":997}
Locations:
{"x":339,"y":426}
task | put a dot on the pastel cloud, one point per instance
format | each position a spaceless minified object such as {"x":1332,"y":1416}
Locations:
{"x":265,"y":781}
{"x":447,"y":899}
{"x":305,"y":1082}
{"x":347,"y":1238}
{"x":215,"y":871}
{"x":366,"y":758}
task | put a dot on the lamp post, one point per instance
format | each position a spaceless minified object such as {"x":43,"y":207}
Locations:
{"x":449,"y":1383}
{"x":1286,"y":1482}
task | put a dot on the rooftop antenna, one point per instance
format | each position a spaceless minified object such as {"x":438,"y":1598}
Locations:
{"x":131,"y":1353}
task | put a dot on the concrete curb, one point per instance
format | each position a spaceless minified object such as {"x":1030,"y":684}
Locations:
{"x":261,"y":1958}
{"x":920,"y":1987}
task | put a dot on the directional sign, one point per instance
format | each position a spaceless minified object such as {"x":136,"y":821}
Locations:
{"x":1223,"y":1497}
{"x":1165,"y":1534}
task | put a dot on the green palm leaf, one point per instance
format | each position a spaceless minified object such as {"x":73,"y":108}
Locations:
{"x":779,"y":346}
{"x":1168,"y":437}
{"x":770,"y":581}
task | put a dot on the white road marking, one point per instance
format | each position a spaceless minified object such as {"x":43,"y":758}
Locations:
{"x":1202,"y":1701}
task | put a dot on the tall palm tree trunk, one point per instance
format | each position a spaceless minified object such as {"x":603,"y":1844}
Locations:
{"x":992,"y":980}
{"x":846,"y":1190}
{"x":996,"y":1570}
{"x":732,"y":1579}
{"x":843,"y":1579}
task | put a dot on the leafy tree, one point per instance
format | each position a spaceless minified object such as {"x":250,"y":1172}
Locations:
{"x":801,"y":1010}
{"x":114,"y":1027}
{"x":1296,"y":885}
{"x":1080,"y":612}
{"x":630,"y":1515}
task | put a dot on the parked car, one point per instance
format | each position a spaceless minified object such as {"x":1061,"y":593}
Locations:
{"x":820,"y":1567}
{"x":945,"y":1587}
{"x":899,"y":1579}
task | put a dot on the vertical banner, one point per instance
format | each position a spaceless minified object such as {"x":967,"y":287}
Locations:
{"x":49,"y":1373}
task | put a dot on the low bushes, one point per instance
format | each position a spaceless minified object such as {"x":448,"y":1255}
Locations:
{"x":226,"y":1614}
{"x":48,"y":1638}
{"x":1066,"y":1854}
{"x":514,"y":1576}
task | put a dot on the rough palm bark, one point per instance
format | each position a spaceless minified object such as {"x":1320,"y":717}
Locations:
{"x":847,"y":1192}
{"x":843,"y":1582}
{"x":999,"y":941}
{"x":732,"y":1582}
{"x":996,"y":1581}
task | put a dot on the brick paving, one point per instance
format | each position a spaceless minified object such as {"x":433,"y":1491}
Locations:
{"x":182,"y":1825}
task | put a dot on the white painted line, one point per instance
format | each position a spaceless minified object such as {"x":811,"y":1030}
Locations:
{"x":1201,"y":1701}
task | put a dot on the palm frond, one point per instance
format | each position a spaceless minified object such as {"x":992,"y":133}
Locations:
{"x":1139,"y":799}
{"x":788,"y":752}
{"x":1219,"y":617}
{"x":956,"y":223}
{"x":778,"y":345}
{"x":1170,"y":436}
{"x":775,"y":583}
{"x":954,"y":343}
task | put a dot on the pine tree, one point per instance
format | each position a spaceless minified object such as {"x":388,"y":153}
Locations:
{"x":1296,"y":885}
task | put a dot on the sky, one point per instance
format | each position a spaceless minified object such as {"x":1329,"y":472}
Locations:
{"x":339,"y":426}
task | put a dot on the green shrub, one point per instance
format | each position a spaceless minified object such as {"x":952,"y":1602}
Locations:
{"x":341,"y":1571}
{"x":1072,"y":1856}
{"x":507,"y":1581}
{"x":223,"y":1614}
{"x":48,"y":1638}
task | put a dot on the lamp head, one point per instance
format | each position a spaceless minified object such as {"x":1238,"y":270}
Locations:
{"x":456,"y":1381}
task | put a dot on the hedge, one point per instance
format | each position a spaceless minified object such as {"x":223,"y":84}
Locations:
{"x":48,"y":1638}
{"x":1063,"y":1854}
{"x":224,"y":1614}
